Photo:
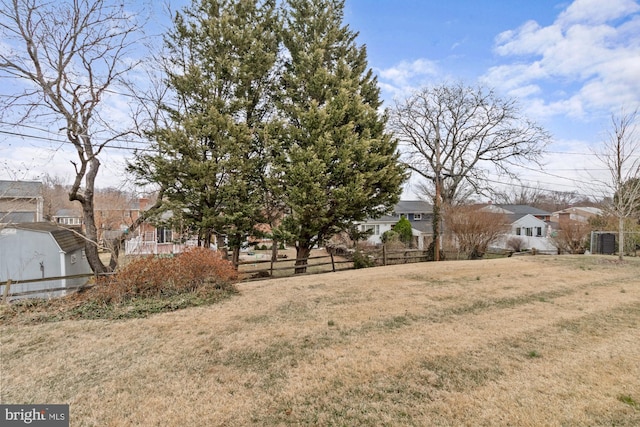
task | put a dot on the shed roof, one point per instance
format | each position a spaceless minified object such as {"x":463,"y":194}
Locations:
{"x":68,"y":240}
{"x":20,"y":189}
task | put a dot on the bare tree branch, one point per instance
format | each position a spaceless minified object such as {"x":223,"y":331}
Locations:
{"x":620,"y":154}
{"x":66,"y":55}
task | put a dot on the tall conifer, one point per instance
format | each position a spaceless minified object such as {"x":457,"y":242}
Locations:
{"x":211,"y":159}
{"x":337,"y":164}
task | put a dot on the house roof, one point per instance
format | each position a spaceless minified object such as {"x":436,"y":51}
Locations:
{"x":68,"y":240}
{"x":522,"y":217}
{"x":523,"y":210}
{"x":413,"y":206}
{"x":581,"y":209}
{"x":20,"y":189}
{"x":67,"y":213}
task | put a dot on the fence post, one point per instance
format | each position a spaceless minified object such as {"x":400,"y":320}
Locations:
{"x":333,"y":265}
{"x":5,"y":294}
{"x":384,"y":255}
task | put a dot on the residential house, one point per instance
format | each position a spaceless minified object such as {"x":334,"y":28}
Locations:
{"x":41,"y":250}
{"x":21,"y":201}
{"x":576,"y":213}
{"x":419,"y":214}
{"x":68,"y":217}
{"x":153,"y":236}
{"x":531,"y":226}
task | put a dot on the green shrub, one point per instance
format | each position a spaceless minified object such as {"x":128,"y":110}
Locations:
{"x":362,"y":260}
{"x":403,"y":228}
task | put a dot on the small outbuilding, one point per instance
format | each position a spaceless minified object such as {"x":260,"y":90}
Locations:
{"x":41,"y":250}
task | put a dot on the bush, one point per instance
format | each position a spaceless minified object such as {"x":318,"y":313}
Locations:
{"x":403,"y":228}
{"x":362,"y":260}
{"x":194,"y":270}
{"x":516,"y":244}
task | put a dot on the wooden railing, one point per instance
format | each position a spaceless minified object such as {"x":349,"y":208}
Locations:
{"x":262,"y":268}
{"x":280,"y":266}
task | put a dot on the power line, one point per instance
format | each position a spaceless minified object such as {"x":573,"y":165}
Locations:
{"x":115,"y":147}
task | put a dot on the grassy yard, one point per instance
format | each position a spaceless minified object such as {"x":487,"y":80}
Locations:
{"x":527,"y":341}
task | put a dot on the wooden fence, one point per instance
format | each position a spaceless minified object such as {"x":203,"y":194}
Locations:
{"x":279,"y":267}
{"x":265,"y":268}
{"x":262,"y":268}
{"x":6,"y":292}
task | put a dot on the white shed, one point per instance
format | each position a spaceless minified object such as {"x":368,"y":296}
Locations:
{"x":40,"y":250}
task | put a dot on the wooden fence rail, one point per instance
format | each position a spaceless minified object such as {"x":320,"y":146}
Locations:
{"x":6,"y":292}
{"x":313,"y":265}
{"x":337,"y":263}
{"x":273,"y":268}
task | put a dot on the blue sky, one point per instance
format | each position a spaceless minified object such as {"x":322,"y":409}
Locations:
{"x":570,"y":64}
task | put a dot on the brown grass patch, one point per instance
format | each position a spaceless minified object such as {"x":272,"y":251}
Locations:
{"x":516,"y":341}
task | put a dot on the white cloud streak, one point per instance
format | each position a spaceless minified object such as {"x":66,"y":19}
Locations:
{"x":593,"y":48}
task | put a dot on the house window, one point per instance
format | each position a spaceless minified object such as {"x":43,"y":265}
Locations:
{"x":417,"y":217}
{"x":518,"y":231}
{"x":529,"y":231}
{"x":164,"y":235}
{"x":539,"y":231}
{"x":374,"y":228}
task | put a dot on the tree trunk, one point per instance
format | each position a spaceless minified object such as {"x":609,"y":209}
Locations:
{"x":302,"y":255}
{"x":435,"y":225}
{"x":620,"y":238}
{"x":86,"y":199}
{"x":235,"y":256}
{"x":91,"y":236}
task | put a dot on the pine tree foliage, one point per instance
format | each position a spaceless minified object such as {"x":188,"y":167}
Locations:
{"x":336,"y":163}
{"x":211,"y":160}
{"x":272,"y":117}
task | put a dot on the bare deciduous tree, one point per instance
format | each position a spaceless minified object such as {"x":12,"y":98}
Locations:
{"x":572,"y":236}
{"x":453,"y":136}
{"x":620,"y":154}
{"x":540,"y":198}
{"x":68,"y":56}
{"x":474,"y":229}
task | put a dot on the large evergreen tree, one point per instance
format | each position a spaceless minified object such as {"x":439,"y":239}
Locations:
{"x":337,"y":164}
{"x":211,"y":159}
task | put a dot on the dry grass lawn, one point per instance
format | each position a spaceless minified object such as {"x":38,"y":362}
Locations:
{"x":531,"y":341}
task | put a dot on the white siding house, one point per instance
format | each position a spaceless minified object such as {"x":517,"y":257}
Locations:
{"x":21,"y":201}
{"x":418,"y":213}
{"x":528,"y":224}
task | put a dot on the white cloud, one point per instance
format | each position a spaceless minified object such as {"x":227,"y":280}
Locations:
{"x":407,"y":76}
{"x":597,"y":11}
{"x":593,"y":49}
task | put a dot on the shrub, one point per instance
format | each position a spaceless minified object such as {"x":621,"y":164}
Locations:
{"x":516,"y":244}
{"x":193,"y":270}
{"x":403,"y":228}
{"x":362,"y":260}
